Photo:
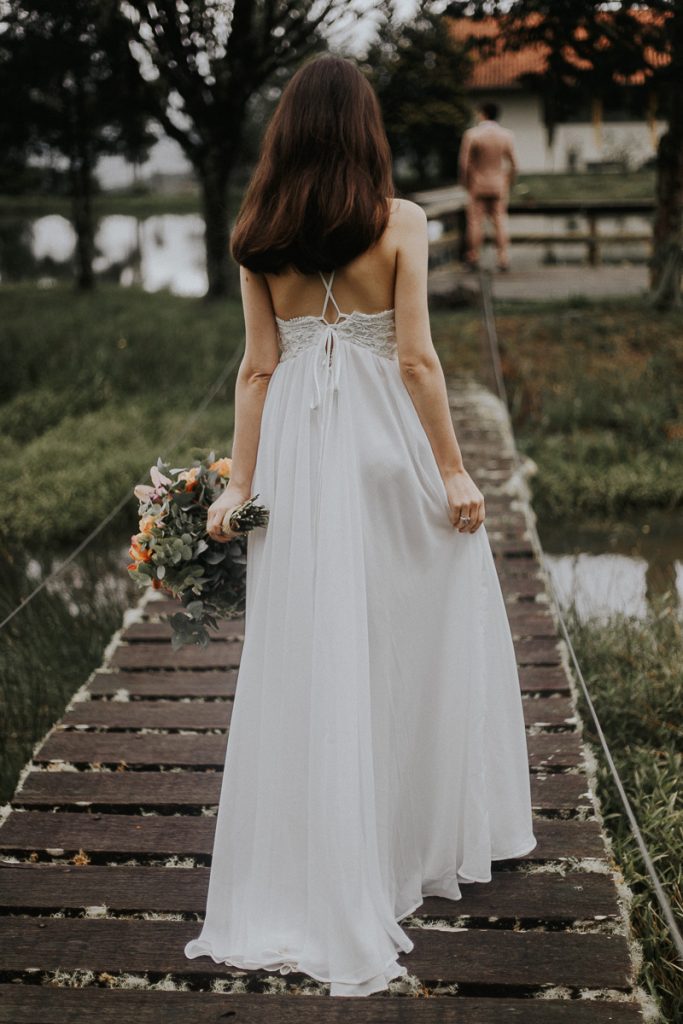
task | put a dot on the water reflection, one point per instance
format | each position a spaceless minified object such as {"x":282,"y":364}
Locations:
{"x":167,"y":250}
{"x":610,"y":569}
{"x":162,"y":251}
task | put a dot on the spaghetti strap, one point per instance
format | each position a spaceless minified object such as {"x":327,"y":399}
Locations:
{"x":329,"y":296}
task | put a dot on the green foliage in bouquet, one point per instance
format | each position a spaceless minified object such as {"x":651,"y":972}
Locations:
{"x":172,"y":551}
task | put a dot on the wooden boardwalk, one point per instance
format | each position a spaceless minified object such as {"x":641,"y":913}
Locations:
{"x":105,"y":851}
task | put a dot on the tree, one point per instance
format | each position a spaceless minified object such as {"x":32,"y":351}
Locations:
{"x":418,"y":72}
{"x":596,"y":50}
{"x":70,"y":88}
{"x":203,"y":62}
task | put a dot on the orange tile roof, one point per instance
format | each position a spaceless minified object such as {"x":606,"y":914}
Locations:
{"x":504,"y":69}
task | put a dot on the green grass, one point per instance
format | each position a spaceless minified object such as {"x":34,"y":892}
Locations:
{"x":141,"y":203}
{"x":52,"y":645}
{"x":133,"y":203}
{"x":596,"y":393}
{"x":92,"y":387}
{"x":542,"y":187}
{"x":634,"y":672}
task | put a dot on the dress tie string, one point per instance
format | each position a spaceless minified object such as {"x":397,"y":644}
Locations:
{"x":328,"y":346}
{"x":329,"y":343}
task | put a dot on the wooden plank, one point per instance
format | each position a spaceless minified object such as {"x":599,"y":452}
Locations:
{"x":163,"y":714}
{"x":29,"y":1004}
{"x":228,"y":629}
{"x":547,"y":750}
{"x":531,"y":626}
{"x":165,"y":684}
{"x":516,"y":588}
{"x":543,"y":679}
{"x":477,"y":956}
{"x":537,"y":650}
{"x":225,"y":653}
{"x":549,"y":711}
{"x":175,"y":790}
{"x":155,"y":714}
{"x":540,"y":624}
{"x":215,"y":683}
{"x":218,"y":654}
{"x":116,"y":748}
{"x":578,"y":895}
{"x":163,"y":835}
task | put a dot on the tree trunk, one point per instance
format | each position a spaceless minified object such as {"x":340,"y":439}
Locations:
{"x":667,"y":255}
{"x":80,"y":172}
{"x":667,"y":261}
{"x":81,"y":204}
{"x":214,"y":176}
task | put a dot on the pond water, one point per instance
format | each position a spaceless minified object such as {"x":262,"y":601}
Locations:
{"x":162,"y":251}
{"x":167,"y":250}
{"x":615,"y":568}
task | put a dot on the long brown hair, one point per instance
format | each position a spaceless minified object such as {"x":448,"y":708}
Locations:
{"x":319,"y":194}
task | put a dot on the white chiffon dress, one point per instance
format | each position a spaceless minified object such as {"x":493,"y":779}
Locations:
{"x":376,"y":751}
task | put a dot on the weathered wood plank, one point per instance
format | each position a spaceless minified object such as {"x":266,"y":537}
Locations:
{"x":166,"y":684}
{"x":531,"y":627}
{"x":29,"y":1004}
{"x":193,"y":836}
{"x":578,"y":895}
{"x":543,"y":679}
{"x":225,"y":653}
{"x":217,"y":683}
{"x":175,"y":790}
{"x":547,"y":750}
{"x":157,"y":629}
{"x":537,"y":650}
{"x":218,"y":654}
{"x":159,"y":714}
{"x":227,"y":629}
{"x":479,"y":956}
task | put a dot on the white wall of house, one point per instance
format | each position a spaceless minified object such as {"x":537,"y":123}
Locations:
{"x":520,"y":111}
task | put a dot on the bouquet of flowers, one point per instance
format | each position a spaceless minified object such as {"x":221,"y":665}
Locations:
{"x":172,"y":551}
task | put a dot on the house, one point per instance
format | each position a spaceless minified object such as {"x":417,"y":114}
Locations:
{"x":597,"y":136}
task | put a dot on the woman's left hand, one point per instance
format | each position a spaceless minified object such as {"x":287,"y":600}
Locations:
{"x":227,"y":502}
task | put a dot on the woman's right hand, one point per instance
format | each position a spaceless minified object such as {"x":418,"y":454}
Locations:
{"x":464,"y":499}
{"x":229,"y":499}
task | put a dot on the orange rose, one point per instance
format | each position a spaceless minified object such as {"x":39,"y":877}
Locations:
{"x":133,"y":566}
{"x":146,"y":525}
{"x":138,"y":553}
{"x":190,"y":478}
{"x":222,"y":466}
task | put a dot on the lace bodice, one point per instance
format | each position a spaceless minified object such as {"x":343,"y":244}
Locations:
{"x":373,"y":331}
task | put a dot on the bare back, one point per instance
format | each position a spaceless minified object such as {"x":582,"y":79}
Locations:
{"x":366,"y":284}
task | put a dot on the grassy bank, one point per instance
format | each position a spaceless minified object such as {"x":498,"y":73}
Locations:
{"x":626,"y":185}
{"x":596,"y":392}
{"x":130,"y":203}
{"x":50,"y":648}
{"x":630,"y":185}
{"x":92,"y":387}
{"x":634,"y":672}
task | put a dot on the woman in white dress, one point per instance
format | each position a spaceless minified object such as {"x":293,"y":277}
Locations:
{"x":376,"y":751}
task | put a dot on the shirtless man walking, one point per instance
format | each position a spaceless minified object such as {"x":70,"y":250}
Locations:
{"x":488,"y":167}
